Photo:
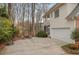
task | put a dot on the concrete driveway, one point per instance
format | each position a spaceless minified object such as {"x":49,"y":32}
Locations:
{"x":34,"y":46}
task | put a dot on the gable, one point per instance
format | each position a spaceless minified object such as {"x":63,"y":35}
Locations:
{"x":73,"y":13}
{"x":54,"y":8}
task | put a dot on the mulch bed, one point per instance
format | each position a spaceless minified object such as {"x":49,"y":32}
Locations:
{"x":2,"y":47}
{"x":70,"y":50}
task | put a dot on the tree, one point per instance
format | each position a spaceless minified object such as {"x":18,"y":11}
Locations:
{"x":3,"y":12}
{"x":9,"y":10}
{"x":33,"y":19}
{"x":23,"y":17}
{"x":34,"y":13}
{"x":29,"y":28}
{"x":41,"y":9}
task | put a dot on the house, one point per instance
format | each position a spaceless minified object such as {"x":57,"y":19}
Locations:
{"x":46,"y":25}
{"x":62,"y":20}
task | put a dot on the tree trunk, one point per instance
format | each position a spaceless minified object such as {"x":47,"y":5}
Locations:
{"x":23,"y":31}
{"x":33,"y":18}
{"x":29,"y":22}
{"x":10,"y":16}
{"x":9,"y":9}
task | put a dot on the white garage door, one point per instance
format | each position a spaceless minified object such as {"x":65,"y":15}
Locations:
{"x":61,"y":34}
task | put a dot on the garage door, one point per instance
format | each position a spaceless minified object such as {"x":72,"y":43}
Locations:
{"x":61,"y":34}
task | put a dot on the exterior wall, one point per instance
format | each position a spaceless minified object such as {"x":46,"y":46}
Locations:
{"x":77,"y":22}
{"x":47,"y":22}
{"x":47,"y":25}
{"x":61,"y":21}
{"x":70,"y":7}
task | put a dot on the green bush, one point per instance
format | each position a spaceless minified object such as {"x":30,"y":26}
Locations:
{"x":4,"y":15}
{"x":3,"y":12}
{"x":75,"y":34}
{"x":6,"y":30}
{"x":41,"y":34}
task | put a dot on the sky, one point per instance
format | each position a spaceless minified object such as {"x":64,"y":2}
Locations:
{"x":51,"y":4}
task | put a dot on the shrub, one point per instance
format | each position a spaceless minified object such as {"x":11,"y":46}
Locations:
{"x":4,"y":15}
{"x":3,"y":12}
{"x":75,"y":34}
{"x":6,"y":30}
{"x":41,"y":34}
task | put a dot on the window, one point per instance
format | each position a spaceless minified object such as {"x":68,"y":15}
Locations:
{"x":57,"y":13}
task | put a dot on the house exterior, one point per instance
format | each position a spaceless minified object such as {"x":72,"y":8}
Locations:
{"x":46,"y":25}
{"x":62,"y":20}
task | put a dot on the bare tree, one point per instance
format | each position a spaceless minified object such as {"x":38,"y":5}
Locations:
{"x":34,"y":15}
{"x":9,"y":9}
{"x":41,"y":9}
{"x":33,"y":19}
{"x":23,"y":16}
{"x":29,"y":28}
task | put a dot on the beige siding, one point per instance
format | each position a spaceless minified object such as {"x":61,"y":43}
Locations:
{"x":70,"y":7}
{"x":47,"y":22}
{"x":61,"y":21}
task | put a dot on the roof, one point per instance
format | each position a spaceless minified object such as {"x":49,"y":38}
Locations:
{"x":53,"y":8}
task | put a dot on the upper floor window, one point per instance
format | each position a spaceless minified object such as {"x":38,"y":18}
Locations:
{"x":57,"y":13}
